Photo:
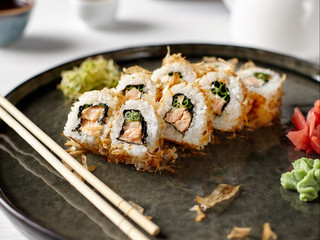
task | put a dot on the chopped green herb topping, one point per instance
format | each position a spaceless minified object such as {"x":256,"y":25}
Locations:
{"x":263,"y":76}
{"x":139,"y":87}
{"x":132,"y":116}
{"x":220,"y":89}
{"x":102,"y":105}
{"x":172,"y":73}
{"x":83,"y":107}
{"x":177,"y":101}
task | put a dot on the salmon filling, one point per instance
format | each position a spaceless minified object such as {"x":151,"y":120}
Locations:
{"x":218,"y":104}
{"x":221,"y":96}
{"x":257,"y":80}
{"x":92,"y":113}
{"x":133,"y":129}
{"x":132,"y":132}
{"x":91,"y":119}
{"x":254,"y":82}
{"x":133,"y":92}
{"x":91,"y":128}
{"x":180,"y":116}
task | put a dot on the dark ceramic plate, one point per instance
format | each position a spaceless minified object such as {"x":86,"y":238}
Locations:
{"x":44,"y":206}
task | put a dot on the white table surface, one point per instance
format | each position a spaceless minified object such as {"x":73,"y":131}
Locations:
{"x":54,"y":36}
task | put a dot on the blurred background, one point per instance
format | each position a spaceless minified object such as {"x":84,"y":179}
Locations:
{"x":59,"y":31}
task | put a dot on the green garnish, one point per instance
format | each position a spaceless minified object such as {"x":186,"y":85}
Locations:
{"x":186,"y":102}
{"x":92,"y":74}
{"x":139,"y":87}
{"x":132,"y":116}
{"x":172,"y":73}
{"x":263,"y":76}
{"x":85,"y":106}
{"x":135,"y":116}
{"x":220,"y":89}
{"x":175,"y":102}
{"x":175,"y":105}
{"x":102,"y":105}
{"x":305,"y":178}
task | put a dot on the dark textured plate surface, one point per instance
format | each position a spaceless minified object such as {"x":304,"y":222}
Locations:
{"x":43,"y":205}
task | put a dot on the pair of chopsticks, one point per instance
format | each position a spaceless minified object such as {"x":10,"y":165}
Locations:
{"x":17,"y":119}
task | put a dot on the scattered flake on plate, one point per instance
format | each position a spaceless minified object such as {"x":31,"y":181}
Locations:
{"x":75,"y":149}
{"x":138,"y":208}
{"x":221,"y":193}
{"x":267,"y":233}
{"x":85,"y":165}
{"x":239,"y":232}
{"x":200,"y":215}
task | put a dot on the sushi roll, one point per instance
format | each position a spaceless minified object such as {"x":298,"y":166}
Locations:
{"x":215,"y":64}
{"x":226,"y":93}
{"x":90,"y":118}
{"x":134,"y":83}
{"x":264,"y":94}
{"x":187,"y":114}
{"x":172,"y":65}
{"x":137,"y":136}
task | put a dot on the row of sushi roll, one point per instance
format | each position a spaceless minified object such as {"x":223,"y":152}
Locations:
{"x":180,"y":102}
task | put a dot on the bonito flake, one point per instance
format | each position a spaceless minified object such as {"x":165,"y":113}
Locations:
{"x":139,"y":209}
{"x":200,"y":215}
{"x":239,"y":232}
{"x":84,"y":164}
{"x":267,"y":233}
{"x":221,"y":193}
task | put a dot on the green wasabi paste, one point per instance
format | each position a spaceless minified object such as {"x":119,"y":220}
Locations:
{"x":305,"y":178}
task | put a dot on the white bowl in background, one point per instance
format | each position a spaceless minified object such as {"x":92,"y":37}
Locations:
{"x":285,"y":26}
{"x":95,"y":13}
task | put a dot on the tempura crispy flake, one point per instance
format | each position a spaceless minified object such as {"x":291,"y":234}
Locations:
{"x":200,"y":214}
{"x":139,"y":209}
{"x":75,"y":149}
{"x":239,"y":232}
{"x":85,"y":165}
{"x":267,"y":233}
{"x":221,"y":193}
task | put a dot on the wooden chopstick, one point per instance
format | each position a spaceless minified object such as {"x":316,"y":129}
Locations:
{"x":113,"y":197}
{"x":120,"y":221}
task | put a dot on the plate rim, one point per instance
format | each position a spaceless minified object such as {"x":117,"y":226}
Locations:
{"x":297,"y":60}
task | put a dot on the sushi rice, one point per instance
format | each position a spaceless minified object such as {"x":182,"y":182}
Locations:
{"x":141,"y":155}
{"x":232,"y":116}
{"x":199,"y":131}
{"x":264,"y":97}
{"x":171,"y":65}
{"x":91,"y":142}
